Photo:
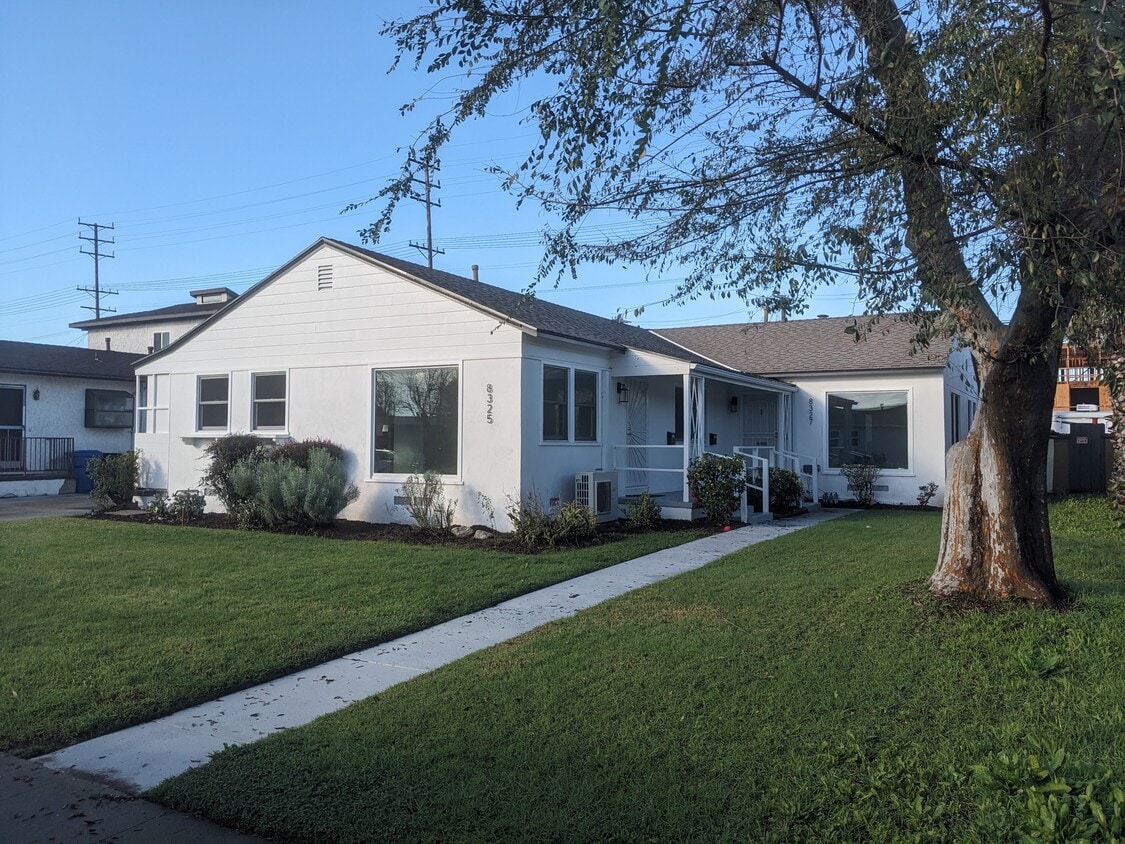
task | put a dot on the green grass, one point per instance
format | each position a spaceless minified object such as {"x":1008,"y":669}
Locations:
{"x":103,"y":625}
{"x":804,"y":689}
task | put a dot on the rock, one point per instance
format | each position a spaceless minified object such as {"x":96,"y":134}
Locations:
{"x":461,"y":531}
{"x":482,"y":533}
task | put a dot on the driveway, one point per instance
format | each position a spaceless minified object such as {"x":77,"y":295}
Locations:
{"x":39,"y":506}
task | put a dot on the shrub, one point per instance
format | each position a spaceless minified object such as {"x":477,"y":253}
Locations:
{"x":861,"y":479}
{"x":226,"y":453}
{"x":115,"y":479}
{"x":718,"y":483}
{"x":183,"y":508}
{"x":642,"y":512}
{"x":281,"y":493}
{"x":926,"y":492}
{"x":298,"y":452}
{"x":426,"y":502}
{"x":786,"y":490}
{"x":534,"y":527}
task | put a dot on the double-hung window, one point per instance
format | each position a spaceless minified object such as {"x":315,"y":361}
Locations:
{"x":416,"y":421}
{"x":570,"y":405}
{"x":161,"y":340}
{"x":212,"y":413}
{"x":869,"y":427}
{"x":268,"y":389}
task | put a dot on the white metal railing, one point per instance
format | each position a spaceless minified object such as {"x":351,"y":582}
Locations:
{"x":796,"y":463}
{"x":757,"y":477}
{"x":636,"y":458}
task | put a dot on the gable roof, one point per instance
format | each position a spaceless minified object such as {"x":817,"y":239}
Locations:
{"x":811,"y":345}
{"x":533,"y":312}
{"x":65,"y":361}
{"x":186,"y":311}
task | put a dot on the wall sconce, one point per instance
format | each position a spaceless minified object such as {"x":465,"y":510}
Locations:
{"x":733,"y":404}
{"x":622,"y":392}
{"x":35,"y":394}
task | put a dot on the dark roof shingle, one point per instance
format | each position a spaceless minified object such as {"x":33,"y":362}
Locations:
{"x":188,"y":310}
{"x":811,"y":345}
{"x":65,"y":361}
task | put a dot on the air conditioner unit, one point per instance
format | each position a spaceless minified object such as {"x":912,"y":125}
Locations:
{"x":1086,"y":408}
{"x":597,"y":492}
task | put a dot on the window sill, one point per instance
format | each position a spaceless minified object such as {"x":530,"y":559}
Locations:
{"x":590,"y":443}
{"x":388,"y":478}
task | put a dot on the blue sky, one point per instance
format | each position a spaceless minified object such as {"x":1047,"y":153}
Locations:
{"x":220,"y":139}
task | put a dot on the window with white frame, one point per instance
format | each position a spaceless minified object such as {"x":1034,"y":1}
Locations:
{"x":213,"y":405}
{"x":955,"y":417}
{"x":869,"y":427}
{"x":152,"y":404}
{"x":268,"y":396}
{"x":570,"y":405}
{"x":416,"y":421}
{"x":160,"y":339}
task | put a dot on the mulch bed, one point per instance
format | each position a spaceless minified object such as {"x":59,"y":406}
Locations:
{"x":349,"y":529}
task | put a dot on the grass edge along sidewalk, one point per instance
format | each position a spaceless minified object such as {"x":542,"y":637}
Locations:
{"x":802,"y":689}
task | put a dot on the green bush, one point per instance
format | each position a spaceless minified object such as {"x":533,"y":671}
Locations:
{"x":282,"y":494}
{"x":298,"y":452}
{"x":115,"y":479}
{"x":534,"y":527}
{"x":426,"y":502}
{"x":861,"y":480}
{"x":226,"y":453}
{"x":642,"y":512}
{"x":718,"y":483}
{"x":183,"y":508}
{"x":786,"y":490}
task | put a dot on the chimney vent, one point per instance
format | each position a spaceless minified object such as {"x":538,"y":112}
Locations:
{"x":107,"y":344}
{"x":476,"y":272}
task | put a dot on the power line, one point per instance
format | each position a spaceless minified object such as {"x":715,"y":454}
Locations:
{"x":427,"y":199}
{"x":97,"y":255}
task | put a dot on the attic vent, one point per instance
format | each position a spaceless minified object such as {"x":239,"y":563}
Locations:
{"x":324,"y":277}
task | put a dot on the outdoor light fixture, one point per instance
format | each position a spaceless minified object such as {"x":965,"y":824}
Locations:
{"x":734,"y":404}
{"x":35,"y":395}
{"x":622,"y":392}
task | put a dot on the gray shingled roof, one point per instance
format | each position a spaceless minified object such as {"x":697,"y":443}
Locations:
{"x":544,"y":317}
{"x":810,"y":345}
{"x":188,"y":310}
{"x":66,"y":361}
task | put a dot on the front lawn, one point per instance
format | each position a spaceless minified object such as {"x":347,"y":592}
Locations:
{"x":803,"y":689}
{"x":104,"y":624}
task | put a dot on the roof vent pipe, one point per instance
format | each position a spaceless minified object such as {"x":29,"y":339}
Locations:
{"x":107,"y":344}
{"x":822,"y":316}
{"x":765,"y":313}
{"x":476,"y":272}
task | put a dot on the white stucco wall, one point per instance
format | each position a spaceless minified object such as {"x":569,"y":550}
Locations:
{"x":60,"y":410}
{"x":138,"y":338}
{"x":927,"y":431}
{"x":329,"y":342}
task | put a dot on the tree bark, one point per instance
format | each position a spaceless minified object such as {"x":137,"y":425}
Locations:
{"x":995,"y":533}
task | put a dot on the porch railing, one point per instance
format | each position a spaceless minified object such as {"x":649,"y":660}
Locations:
{"x":757,"y":478}
{"x":36,"y":455}
{"x":650,"y":460}
{"x":803,"y":466}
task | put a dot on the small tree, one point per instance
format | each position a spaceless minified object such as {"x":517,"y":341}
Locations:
{"x":861,"y":480}
{"x":426,"y":502}
{"x":785,"y":490}
{"x":226,"y":453}
{"x":115,"y":479}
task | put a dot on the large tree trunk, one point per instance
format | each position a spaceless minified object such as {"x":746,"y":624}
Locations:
{"x":995,"y":535}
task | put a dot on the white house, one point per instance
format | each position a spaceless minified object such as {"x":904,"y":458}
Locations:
{"x":869,"y":401}
{"x":145,"y":332}
{"x":411,"y":369}
{"x":55,"y":401}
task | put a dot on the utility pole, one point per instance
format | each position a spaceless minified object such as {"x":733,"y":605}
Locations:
{"x":97,"y":255}
{"x":429,"y":202}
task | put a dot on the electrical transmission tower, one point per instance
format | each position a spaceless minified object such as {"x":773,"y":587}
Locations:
{"x":97,"y":255}
{"x":429,"y":202}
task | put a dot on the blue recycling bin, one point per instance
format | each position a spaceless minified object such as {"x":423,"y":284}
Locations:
{"x":82,"y":481}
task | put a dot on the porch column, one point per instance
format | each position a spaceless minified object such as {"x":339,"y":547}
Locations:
{"x":694,"y":407}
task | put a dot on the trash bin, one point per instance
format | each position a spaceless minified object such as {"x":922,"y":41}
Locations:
{"x":82,"y":481}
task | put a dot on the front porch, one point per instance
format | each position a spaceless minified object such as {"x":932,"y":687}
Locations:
{"x":672,"y":419}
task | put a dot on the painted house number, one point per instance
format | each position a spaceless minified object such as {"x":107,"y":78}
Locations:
{"x":488,"y":405}
{"x":810,"y":411}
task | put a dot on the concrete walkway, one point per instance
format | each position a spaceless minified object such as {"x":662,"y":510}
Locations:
{"x":41,"y":506}
{"x":138,"y":758}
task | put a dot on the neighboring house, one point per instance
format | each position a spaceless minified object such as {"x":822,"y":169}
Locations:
{"x":146,"y":332}
{"x":55,"y":400}
{"x":873,"y":400}
{"x":1080,"y":395}
{"x":412,"y":369}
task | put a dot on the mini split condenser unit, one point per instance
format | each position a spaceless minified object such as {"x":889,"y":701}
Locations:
{"x":597,"y":492}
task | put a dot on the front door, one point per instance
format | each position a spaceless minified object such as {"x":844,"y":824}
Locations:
{"x":636,"y":434}
{"x":759,"y":420}
{"x":11,"y":428}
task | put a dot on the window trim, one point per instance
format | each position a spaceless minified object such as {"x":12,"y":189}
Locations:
{"x":571,"y":404}
{"x":91,"y":411}
{"x":908,"y":472}
{"x":399,"y":477}
{"x":199,"y":379}
{"x":164,"y":341}
{"x":254,"y":400}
